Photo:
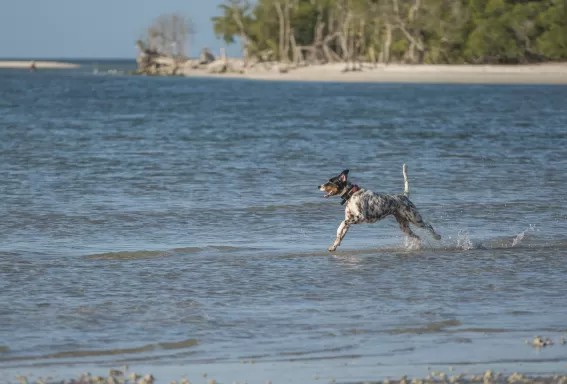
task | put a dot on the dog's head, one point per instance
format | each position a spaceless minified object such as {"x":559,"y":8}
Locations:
{"x":336,"y":185}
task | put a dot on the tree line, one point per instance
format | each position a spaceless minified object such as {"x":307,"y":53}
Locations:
{"x":399,"y":31}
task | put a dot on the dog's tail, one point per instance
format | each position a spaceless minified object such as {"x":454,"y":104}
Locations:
{"x":406,"y":184}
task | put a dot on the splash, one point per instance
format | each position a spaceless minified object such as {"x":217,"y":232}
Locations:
{"x":412,"y":244}
{"x":520,"y":236}
{"x":518,"y":239}
{"x":464,"y":241}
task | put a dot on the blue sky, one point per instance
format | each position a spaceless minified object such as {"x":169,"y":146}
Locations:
{"x":94,"y":28}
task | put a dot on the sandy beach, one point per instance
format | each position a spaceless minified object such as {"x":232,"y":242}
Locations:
{"x":397,"y":73}
{"x":38,"y":65}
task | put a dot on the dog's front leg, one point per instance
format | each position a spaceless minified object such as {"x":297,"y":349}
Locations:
{"x":341,"y":232}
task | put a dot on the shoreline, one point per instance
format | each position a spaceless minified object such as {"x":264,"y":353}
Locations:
{"x":545,"y":74}
{"x":282,"y":372}
{"x":341,"y":368}
{"x":22,"y":64}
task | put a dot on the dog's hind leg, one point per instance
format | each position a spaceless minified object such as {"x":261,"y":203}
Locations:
{"x":418,"y":221}
{"x":405,"y":228}
{"x":428,"y":226}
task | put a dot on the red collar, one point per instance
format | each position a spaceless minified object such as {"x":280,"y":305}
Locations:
{"x":349,"y":193}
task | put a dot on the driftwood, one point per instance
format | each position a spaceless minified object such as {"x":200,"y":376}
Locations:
{"x":218,"y":66}
{"x":206,"y":57}
{"x":224,"y":65}
{"x":152,"y":62}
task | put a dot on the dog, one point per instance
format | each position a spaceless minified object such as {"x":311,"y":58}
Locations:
{"x":365,"y":206}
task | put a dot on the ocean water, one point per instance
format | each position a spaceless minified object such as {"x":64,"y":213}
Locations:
{"x":175,"y":225}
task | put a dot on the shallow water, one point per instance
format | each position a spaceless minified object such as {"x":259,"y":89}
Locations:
{"x":167,"y":221}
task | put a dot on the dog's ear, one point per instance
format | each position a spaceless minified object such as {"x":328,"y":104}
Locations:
{"x":343,"y":176}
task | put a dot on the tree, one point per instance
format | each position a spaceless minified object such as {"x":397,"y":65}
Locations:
{"x":552,"y":42}
{"x":171,"y":35}
{"x":412,"y":31}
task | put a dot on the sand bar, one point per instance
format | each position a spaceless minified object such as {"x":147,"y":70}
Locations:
{"x":38,"y":65}
{"x":396,"y":73}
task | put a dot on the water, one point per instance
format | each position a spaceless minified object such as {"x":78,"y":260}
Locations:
{"x":168,"y":222}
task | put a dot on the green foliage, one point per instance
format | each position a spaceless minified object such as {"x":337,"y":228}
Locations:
{"x":399,"y":47}
{"x":304,"y":21}
{"x":552,"y":42}
{"x":443,"y":31}
{"x":225,"y":26}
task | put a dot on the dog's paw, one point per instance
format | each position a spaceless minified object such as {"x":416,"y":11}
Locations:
{"x":436,"y":237}
{"x":332,"y":249}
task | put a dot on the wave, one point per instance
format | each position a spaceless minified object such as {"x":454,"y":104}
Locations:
{"x":154,"y":254}
{"x":6,"y":253}
{"x":433,"y":327}
{"x":284,"y":207}
{"x":137,"y":255}
{"x":184,"y":344}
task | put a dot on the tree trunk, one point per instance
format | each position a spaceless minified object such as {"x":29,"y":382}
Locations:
{"x":344,"y":39}
{"x":245,"y":39}
{"x":413,"y":38}
{"x":360,"y":44}
{"x":352,"y":52}
{"x":244,"y":47}
{"x":372,"y":49}
{"x":415,"y":42}
{"x":287,"y":30}
{"x":281,"y":21}
{"x":295,"y":50}
{"x":327,"y":51}
{"x":344,"y":48}
{"x":410,"y":54}
{"x":318,"y":43}
{"x":386,"y":49}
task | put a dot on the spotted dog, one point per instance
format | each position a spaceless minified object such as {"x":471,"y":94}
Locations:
{"x":364,"y":206}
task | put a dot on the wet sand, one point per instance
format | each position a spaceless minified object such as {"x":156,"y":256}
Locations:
{"x":38,"y":65}
{"x":291,"y":370}
{"x":208,"y":374}
{"x":449,"y":74}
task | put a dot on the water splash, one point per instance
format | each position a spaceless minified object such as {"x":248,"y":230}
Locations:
{"x":464,"y":241}
{"x":412,"y":244}
{"x":518,"y":239}
{"x":520,"y":236}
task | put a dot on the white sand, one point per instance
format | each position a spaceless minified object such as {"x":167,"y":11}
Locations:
{"x":38,"y":64}
{"x":456,"y":74}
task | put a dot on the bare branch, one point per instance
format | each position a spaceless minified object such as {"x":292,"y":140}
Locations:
{"x":171,"y":35}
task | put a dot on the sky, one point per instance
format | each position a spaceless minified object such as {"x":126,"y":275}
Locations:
{"x":49,"y":29}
